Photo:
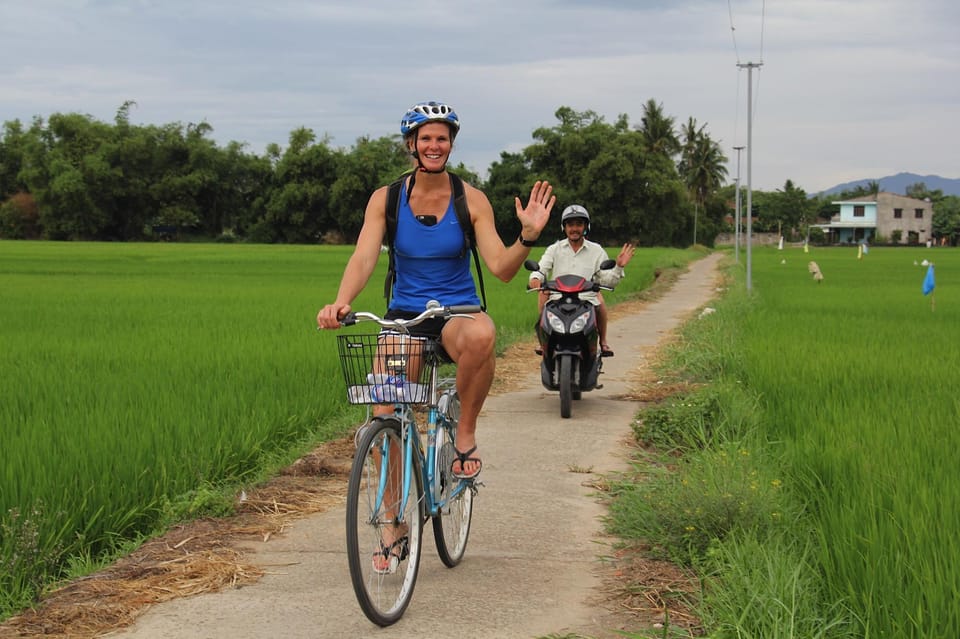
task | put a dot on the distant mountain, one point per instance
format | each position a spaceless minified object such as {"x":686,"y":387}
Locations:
{"x":898,"y":184}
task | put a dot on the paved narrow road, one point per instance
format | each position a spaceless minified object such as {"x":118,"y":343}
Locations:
{"x":531,"y":567}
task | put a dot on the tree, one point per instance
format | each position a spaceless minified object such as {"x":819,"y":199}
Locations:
{"x":69,"y":175}
{"x":298,"y":210}
{"x":788,"y":210}
{"x":946,"y":218}
{"x":920,"y":191}
{"x":657,"y":130}
{"x":560,"y":153}
{"x":702,"y":166}
{"x":93,"y":180}
{"x":12,"y":141}
{"x":360,"y":171}
{"x":507,"y":178}
{"x":19,"y":218}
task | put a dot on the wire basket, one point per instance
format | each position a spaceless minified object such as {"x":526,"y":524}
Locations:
{"x":385,"y":368}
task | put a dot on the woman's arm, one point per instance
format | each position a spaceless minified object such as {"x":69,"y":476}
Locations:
{"x":501,"y":260}
{"x":362,"y":262}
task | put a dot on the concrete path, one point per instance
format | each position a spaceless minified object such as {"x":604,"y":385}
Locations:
{"x":532,"y":563}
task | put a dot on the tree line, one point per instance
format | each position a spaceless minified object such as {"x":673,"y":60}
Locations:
{"x":71,"y":177}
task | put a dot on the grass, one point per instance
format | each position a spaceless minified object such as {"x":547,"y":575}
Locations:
{"x":148,"y":383}
{"x":843,"y":393}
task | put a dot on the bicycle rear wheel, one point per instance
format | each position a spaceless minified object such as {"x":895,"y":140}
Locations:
{"x":451,"y":525}
{"x":377,"y":523}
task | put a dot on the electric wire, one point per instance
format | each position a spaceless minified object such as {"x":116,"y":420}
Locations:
{"x":733,"y":30}
{"x":740,"y":65}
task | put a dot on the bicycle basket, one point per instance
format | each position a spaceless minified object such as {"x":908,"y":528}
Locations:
{"x":385,"y":368}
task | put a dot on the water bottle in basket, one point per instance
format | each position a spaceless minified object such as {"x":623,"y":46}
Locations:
{"x":386,"y":388}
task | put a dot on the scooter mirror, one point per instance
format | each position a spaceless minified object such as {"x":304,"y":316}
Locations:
{"x":533,"y":265}
{"x":606,"y":265}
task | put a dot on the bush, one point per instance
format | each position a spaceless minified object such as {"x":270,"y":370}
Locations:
{"x":711,"y":493}
{"x":817,"y":236}
{"x":698,"y":419}
{"x":20,"y":218}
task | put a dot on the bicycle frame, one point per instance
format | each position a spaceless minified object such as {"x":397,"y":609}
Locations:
{"x":409,"y":427}
{"x":413,"y":483}
{"x":412,"y":445}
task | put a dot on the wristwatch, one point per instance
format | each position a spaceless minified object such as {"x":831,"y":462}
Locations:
{"x":527,"y":243}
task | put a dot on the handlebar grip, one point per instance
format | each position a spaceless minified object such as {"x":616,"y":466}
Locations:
{"x":465,"y":308}
{"x":349,"y":319}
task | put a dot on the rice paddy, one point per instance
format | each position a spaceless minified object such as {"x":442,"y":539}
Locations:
{"x":147,"y":383}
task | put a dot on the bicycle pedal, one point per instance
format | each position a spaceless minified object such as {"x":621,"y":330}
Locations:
{"x":538,"y":351}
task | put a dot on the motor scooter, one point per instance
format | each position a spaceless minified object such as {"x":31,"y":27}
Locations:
{"x":569,"y":340}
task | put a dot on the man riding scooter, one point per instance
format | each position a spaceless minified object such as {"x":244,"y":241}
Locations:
{"x":576,"y":255}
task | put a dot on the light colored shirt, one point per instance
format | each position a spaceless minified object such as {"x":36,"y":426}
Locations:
{"x":561,"y":259}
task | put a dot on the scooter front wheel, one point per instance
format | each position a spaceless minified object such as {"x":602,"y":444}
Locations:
{"x":565,"y":379}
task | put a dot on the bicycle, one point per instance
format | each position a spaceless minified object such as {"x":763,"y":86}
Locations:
{"x":395,"y":483}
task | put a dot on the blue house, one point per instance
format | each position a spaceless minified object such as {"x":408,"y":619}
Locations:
{"x":895,"y":218}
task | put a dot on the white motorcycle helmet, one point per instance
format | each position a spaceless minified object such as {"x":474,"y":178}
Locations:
{"x":573,"y":212}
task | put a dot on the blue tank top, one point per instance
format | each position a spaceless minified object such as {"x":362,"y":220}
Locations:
{"x":432,"y":262}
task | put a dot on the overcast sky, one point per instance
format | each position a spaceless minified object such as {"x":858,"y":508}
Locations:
{"x":847,"y":90}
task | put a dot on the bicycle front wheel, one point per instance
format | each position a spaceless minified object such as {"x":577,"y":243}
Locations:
{"x":451,"y":525}
{"x":383,"y":525}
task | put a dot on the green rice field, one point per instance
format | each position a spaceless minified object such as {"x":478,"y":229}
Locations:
{"x":857,"y":378}
{"x":861,"y":374}
{"x":141,"y":381}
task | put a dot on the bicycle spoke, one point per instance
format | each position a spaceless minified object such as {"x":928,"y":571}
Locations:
{"x":451,"y":526}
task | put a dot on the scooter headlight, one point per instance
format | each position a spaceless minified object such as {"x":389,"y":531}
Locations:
{"x":579,"y":324}
{"x":556,"y":324}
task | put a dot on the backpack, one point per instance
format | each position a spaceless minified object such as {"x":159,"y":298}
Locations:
{"x":463,"y":217}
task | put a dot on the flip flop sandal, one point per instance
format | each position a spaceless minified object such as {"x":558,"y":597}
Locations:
{"x":463,"y":458}
{"x":394,"y":554}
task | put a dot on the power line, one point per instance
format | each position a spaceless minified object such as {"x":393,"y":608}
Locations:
{"x":733,"y":30}
{"x":763,"y":20}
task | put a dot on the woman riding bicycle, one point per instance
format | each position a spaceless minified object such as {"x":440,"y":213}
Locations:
{"x":432,"y":265}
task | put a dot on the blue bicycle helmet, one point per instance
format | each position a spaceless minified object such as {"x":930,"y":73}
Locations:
{"x":419,"y":114}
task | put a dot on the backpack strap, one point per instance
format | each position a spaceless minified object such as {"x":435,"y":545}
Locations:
{"x":463,"y":217}
{"x":469,"y":235}
{"x":393,"y":207}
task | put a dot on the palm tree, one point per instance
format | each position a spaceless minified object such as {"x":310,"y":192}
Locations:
{"x":657,"y":130}
{"x":702,"y":166}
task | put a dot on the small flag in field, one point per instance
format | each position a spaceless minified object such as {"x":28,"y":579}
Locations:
{"x":928,"y":282}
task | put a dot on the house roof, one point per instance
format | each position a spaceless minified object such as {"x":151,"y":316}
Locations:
{"x":875,"y":198}
{"x":864,"y":199}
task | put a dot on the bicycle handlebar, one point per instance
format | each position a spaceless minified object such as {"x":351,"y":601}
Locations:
{"x":434,"y":309}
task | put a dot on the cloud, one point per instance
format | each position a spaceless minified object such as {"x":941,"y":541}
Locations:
{"x":844,"y":93}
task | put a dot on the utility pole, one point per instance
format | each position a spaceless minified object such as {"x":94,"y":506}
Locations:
{"x":750,"y":67}
{"x":736,"y":225}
